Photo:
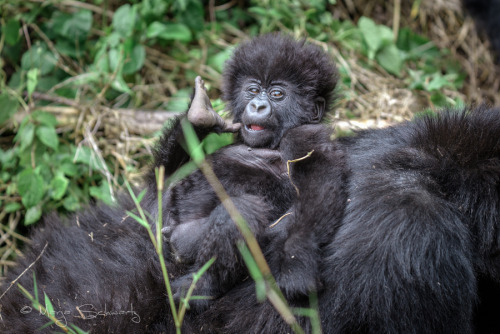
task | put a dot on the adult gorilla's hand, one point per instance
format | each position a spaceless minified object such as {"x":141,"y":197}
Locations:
{"x":202,"y":114}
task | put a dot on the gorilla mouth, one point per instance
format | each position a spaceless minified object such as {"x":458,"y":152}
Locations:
{"x":255,"y":127}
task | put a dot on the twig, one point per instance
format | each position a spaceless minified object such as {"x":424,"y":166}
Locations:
{"x":288,"y":168}
{"x":25,"y":270}
{"x":279,"y":219}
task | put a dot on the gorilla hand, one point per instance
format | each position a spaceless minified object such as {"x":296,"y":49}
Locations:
{"x":202,"y":114}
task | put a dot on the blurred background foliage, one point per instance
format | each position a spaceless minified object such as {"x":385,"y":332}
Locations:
{"x":85,"y":86}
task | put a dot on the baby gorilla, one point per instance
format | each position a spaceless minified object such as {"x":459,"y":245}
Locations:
{"x":99,"y":268}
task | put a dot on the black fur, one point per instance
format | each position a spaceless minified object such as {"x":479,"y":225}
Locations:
{"x":419,"y":234}
{"x":487,"y":15}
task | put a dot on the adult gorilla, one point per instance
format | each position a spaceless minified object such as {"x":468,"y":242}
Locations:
{"x":419,"y":235}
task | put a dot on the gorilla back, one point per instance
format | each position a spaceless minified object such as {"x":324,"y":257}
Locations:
{"x":420,"y":233}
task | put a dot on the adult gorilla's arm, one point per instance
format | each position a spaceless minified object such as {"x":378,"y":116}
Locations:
{"x":170,"y":150}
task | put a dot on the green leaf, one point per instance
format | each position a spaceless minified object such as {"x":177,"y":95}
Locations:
{"x":38,"y":57}
{"x":86,"y":156}
{"x":390,"y":59}
{"x":217,"y":61}
{"x":9,"y":107}
{"x":12,"y":207}
{"x":138,"y":219}
{"x":25,"y":135}
{"x":370,"y":33}
{"x":68,"y":168}
{"x":135,"y":60}
{"x":439,"y":81}
{"x":169,"y":31}
{"x":48,"y":304}
{"x":440,"y":100}
{"x":44,"y":118}
{"x":141,"y":195}
{"x":193,"y":16}
{"x":215,"y":141}
{"x":120,"y":85}
{"x":33,"y":215}
{"x":32,"y":77}
{"x":58,"y":187}
{"x":31,"y":187}
{"x":375,"y":36}
{"x":48,"y":136}
{"x":124,"y":20}
{"x":74,"y":26}
{"x":71,"y":203}
{"x":102,"y":193}
{"x":114,"y":59}
{"x":180,"y":100}
{"x":11,"y":31}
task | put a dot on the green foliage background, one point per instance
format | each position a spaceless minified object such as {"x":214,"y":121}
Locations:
{"x":102,"y":55}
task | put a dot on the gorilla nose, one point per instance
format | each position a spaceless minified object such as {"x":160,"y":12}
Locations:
{"x":261,"y":108}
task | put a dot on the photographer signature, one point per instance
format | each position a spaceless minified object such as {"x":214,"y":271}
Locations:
{"x":85,"y":312}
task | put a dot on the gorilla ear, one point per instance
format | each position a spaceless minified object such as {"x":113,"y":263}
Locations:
{"x":319,"y":110}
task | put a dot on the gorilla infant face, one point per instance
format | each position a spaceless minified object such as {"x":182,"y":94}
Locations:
{"x":274,"y":83}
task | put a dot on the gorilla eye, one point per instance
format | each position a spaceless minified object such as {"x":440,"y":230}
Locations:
{"x":254,"y":90}
{"x":276,"y":93}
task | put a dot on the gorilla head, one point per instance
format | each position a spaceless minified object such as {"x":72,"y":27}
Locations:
{"x":274,"y":83}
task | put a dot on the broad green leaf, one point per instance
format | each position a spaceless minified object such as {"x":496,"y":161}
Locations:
{"x":135,"y":60}
{"x":155,"y":29}
{"x":217,"y":61}
{"x":33,"y":215}
{"x":9,"y":107}
{"x":439,"y":81}
{"x":169,"y":31}
{"x":390,"y":59}
{"x":215,"y":141}
{"x":102,"y":193}
{"x":86,"y":156}
{"x":48,"y":136}
{"x":32,"y":80}
{"x":180,"y":101}
{"x":124,"y":20}
{"x":44,"y":118}
{"x":440,"y":100}
{"x":74,"y":26}
{"x":69,"y":48}
{"x":370,"y":33}
{"x":25,"y":135}
{"x":71,"y":203}
{"x":11,"y":31}
{"x":193,"y":16}
{"x":38,"y":57}
{"x":120,"y":85}
{"x":68,"y":168}
{"x":31,"y":187}
{"x":58,"y":187}
{"x":114,"y":59}
{"x":12,"y":207}
{"x":375,"y":36}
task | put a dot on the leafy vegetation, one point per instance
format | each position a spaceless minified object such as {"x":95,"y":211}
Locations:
{"x":96,"y":54}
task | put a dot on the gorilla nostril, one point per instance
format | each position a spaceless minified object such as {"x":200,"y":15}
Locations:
{"x":260,"y":107}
